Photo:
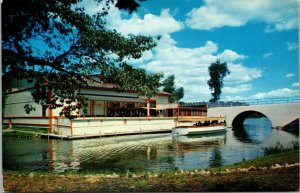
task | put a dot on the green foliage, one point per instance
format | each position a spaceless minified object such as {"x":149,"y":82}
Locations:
{"x":169,"y":86}
{"x":278,"y":148}
{"x":217,"y":72}
{"x":18,"y":134}
{"x":60,"y":47}
{"x":31,"y":129}
{"x":179,"y":94}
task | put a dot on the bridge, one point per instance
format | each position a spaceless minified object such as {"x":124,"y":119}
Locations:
{"x":280,"y":111}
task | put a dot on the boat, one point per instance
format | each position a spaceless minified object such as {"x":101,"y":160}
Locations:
{"x":198,"y":129}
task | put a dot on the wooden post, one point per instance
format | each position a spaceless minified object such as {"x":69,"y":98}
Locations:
{"x":9,"y":123}
{"x":178,"y":109}
{"x":58,"y":127}
{"x":105,"y":108}
{"x":148,"y":108}
{"x":50,"y":113}
{"x":71,"y":124}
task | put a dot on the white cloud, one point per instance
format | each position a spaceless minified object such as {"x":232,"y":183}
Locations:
{"x":242,"y":74}
{"x":190,"y":67}
{"x":237,"y":89}
{"x":230,"y":56}
{"x":149,"y":24}
{"x":282,"y":92}
{"x":296,"y":84}
{"x":233,"y":98}
{"x":277,"y":14}
{"x":292,"y":46}
{"x":267,"y":55}
{"x":289,"y":75}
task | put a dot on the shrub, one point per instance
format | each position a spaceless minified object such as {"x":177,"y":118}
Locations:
{"x":278,"y":148}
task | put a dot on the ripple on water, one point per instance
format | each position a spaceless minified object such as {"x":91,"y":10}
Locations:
{"x":153,"y":152}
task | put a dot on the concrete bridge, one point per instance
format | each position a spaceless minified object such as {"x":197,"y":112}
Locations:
{"x":280,"y":115}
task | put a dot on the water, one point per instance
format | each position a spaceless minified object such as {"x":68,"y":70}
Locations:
{"x":153,"y":152}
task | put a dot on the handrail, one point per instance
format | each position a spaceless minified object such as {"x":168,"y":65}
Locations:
{"x":249,"y":102}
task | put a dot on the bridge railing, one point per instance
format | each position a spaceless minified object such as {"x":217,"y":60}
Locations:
{"x":249,"y":102}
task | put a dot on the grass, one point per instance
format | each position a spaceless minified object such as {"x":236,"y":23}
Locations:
{"x":276,"y":158}
{"x":282,"y":179}
{"x":23,"y":132}
{"x":278,"y":148}
{"x":29,"y":129}
{"x":18,"y":134}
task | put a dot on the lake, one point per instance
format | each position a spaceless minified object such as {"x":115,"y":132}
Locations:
{"x":151,"y":152}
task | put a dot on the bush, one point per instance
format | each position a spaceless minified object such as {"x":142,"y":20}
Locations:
{"x":278,"y":148}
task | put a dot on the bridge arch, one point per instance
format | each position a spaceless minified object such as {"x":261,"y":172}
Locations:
{"x":279,"y":114}
{"x":238,"y":120}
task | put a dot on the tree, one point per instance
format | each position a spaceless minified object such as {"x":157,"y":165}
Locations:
{"x":60,"y":46}
{"x":179,"y":94}
{"x":217,"y":72}
{"x":169,"y":86}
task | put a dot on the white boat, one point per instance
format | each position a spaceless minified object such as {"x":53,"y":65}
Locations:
{"x":196,"y":130}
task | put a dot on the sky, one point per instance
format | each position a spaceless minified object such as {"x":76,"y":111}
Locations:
{"x":258,"y":40}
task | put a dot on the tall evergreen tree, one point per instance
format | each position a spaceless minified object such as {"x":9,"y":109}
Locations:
{"x":217,"y":72}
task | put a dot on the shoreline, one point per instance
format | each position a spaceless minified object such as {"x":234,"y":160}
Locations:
{"x":276,"y":172}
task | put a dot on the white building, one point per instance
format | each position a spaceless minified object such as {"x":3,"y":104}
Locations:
{"x":109,"y":112}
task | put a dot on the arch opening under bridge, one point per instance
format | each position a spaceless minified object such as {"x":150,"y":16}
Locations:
{"x":238,"y":120}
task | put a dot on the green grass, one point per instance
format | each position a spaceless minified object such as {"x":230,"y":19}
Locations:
{"x":37,"y":130}
{"x":278,"y":148}
{"x":23,"y":132}
{"x":18,"y":134}
{"x":278,"y":158}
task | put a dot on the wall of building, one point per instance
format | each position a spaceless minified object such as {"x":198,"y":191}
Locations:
{"x":15,"y":102}
{"x":116,"y":126}
{"x":161,"y":99}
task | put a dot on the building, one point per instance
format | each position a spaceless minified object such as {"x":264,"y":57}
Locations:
{"x":109,"y":112}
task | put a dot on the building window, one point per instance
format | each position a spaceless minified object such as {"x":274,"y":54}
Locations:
{"x":152,"y":104}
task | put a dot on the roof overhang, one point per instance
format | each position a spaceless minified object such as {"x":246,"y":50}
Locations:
{"x":115,"y":98}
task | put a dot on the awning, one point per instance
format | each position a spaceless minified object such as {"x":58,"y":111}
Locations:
{"x":117,"y":99}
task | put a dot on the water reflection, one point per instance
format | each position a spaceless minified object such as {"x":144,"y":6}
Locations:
{"x":255,"y":130}
{"x":200,"y":140}
{"x":153,"y":152}
{"x":216,"y":158}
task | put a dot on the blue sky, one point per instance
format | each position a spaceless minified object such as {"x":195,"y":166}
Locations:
{"x":258,"y":40}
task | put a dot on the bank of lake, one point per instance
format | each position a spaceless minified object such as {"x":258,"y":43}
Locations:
{"x":276,"y":172}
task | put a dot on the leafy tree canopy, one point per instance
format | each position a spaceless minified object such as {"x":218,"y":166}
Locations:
{"x":60,"y":46}
{"x":169,"y":86}
{"x":217,"y":72}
